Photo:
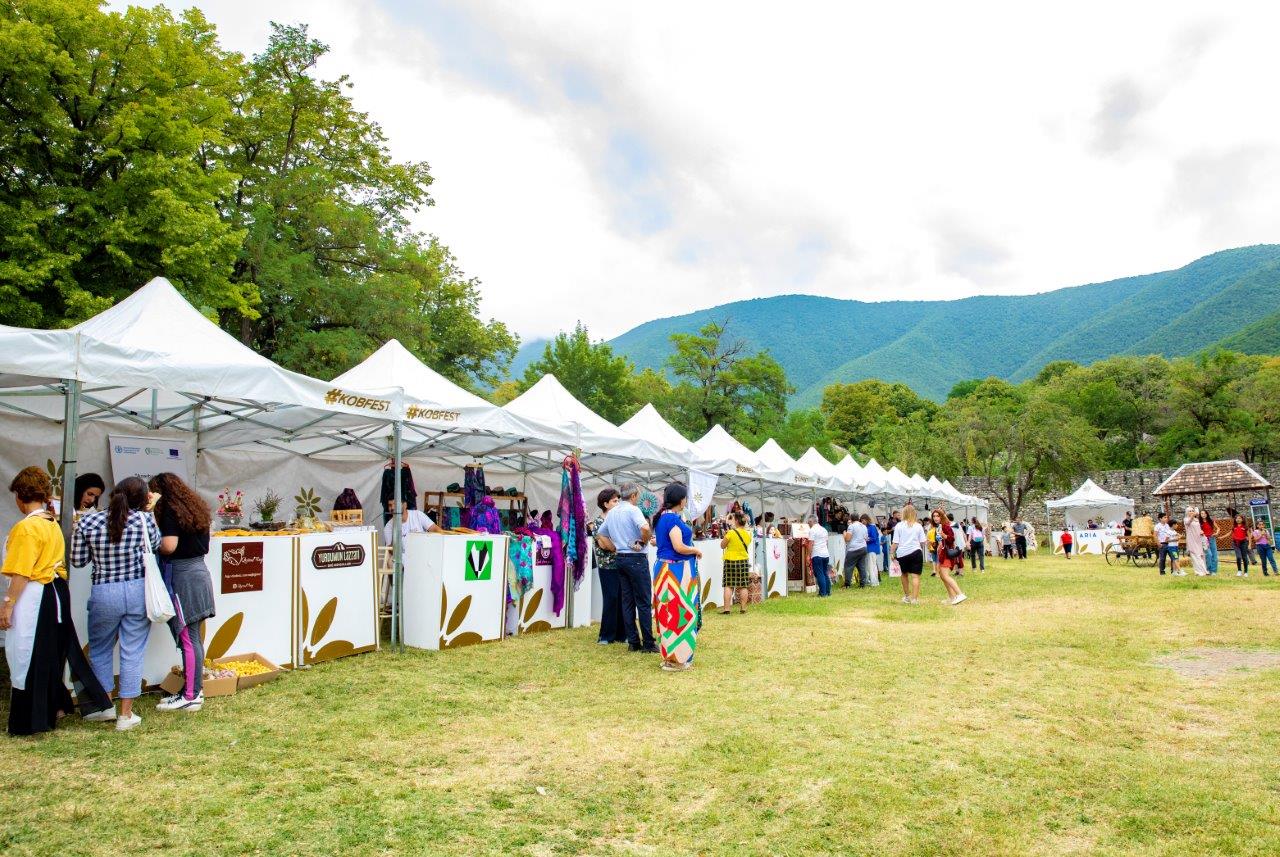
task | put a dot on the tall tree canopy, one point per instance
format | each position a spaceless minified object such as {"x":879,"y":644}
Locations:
{"x":718,"y":381}
{"x":134,"y":146}
{"x":110,"y":140}
{"x":589,"y":370}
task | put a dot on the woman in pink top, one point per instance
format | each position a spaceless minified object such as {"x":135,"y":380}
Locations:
{"x":1262,"y":543}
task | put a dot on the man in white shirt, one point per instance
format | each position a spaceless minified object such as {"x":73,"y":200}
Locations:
{"x":1167,"y":539}
{"x":628,"y":531}
{"x":411,"y":521}
{"x":855,"y":552}
{"x":820,"y":558}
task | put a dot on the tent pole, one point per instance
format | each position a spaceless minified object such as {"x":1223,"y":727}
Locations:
{"x":397,"y":547}
{"x":70,"y":457}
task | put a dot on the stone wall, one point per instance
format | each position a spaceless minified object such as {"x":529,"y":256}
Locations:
{"x":1137,"y":484}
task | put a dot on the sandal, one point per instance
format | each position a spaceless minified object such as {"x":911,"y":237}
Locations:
{"x":724,"y":612}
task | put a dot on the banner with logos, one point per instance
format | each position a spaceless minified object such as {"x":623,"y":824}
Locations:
{"x":1097,"y":541}
{"x":144,"y":457}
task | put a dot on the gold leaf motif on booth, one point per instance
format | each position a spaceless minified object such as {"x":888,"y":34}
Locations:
{"x":706,"y":591}
{"x":306,"y":615}
{"x":444,"y":605}
{"x":536,"y":627}
{"x":323,"y":620}
{"x":224,"y":638}
{"x":459,"y":615}
{"x":335,"y":649}
{"x":531,"y":608}
{"x":773,"y":578}
{"x":466,"y":638}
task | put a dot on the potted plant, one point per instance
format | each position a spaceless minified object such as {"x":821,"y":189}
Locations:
{"x":230,"y":508}
{"x":308,"y":504}
{"x":266,"y":507}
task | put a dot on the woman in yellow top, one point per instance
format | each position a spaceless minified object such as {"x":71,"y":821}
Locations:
{"x":737,"y":562}
{"x":932,"y":533}
{"x":35,"y":615}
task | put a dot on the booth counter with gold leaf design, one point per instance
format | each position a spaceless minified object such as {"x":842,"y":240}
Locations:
{"x":454,"y":589}
{"x":293,"y":599}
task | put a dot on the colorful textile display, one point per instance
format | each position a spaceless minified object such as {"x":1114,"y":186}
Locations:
{"x":520,"y":567}
{"x":573,"y":519}
{"x":485,"y":518}
{"x":677,"y":606}
{"x":408,"y":494}
{"x":648,"y":504}
{"x":549,"y":550}
{"x":473,"y":492}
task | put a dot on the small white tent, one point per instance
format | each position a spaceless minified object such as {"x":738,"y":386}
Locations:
{"x":1091,"y":501}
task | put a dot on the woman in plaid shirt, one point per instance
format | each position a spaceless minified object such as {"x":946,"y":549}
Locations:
{"x":115,"y":541}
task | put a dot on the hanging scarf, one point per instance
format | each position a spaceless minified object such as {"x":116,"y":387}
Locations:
{"x":573,"y":519}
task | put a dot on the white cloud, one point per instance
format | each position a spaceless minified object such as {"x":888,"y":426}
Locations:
{"x":617,"y":162}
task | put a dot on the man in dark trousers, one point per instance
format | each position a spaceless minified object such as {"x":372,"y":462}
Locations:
{"x":628,"y":531}
{"x":1020,"y":537}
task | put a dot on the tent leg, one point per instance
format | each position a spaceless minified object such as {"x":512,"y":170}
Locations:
{"x":70,"y":457}
{"x":397,"y":548}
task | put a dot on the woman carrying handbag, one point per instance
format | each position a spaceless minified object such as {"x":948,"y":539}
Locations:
{"x":116,"y":542}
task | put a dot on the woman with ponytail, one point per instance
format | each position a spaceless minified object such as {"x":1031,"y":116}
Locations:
{"x":676,"y":594}
{"x":114,"y":541}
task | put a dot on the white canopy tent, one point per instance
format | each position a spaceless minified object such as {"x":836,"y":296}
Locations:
{"x":153,"y":362}
{"x":851,"y":474}
{"x":828,"y":478}
{"x":650,"y":425}
{"x":1091,"y":501}
{"x":775,"y":458}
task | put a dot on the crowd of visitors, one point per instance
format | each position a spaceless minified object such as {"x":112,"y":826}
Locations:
{"x":164,"y":519}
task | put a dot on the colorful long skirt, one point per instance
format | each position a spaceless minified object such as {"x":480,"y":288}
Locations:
{"x":677,"y":604}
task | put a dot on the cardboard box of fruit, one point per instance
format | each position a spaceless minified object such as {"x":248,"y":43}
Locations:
{"x":213,"y":686}
{"x":252,"y":669}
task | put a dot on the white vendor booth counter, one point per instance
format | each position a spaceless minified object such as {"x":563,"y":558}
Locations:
{"x":455,"y":593}
{"x":295,"y":600}
{"x":771,"y":561}
{"x":454,"y":589}
{"x":1097,"y":541}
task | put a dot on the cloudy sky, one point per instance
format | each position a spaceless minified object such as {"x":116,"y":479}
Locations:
{"x":619,"y":162}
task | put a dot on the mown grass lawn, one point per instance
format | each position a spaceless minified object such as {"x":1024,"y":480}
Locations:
{"x":1027,"y":721}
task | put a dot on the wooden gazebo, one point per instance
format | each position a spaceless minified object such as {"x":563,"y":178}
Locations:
{"x":1234,"y":478}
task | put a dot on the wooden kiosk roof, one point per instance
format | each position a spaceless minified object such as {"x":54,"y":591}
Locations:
{"x":1211,"y":477}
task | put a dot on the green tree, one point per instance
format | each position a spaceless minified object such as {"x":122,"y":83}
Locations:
{"x":719,"y":382}
{"x":111,"y":126}
{"x":589,"y":370}
{"x":1126,"y":399}
{"x":1018,"y":440}
{"x":855,"y":412}
{"x":325,"y":211}
{"x":795,"y":432}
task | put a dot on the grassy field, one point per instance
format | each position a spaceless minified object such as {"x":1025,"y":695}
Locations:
{"x":1029,"y":720}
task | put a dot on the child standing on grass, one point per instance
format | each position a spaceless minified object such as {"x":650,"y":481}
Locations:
{"x":1066,"y":543}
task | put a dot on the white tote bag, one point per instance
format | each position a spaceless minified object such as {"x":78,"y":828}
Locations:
{"x":159,"y":604}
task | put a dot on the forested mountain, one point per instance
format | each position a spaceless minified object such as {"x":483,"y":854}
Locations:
{"x":1230,"y":297}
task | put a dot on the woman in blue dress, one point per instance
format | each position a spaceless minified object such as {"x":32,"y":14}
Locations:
{"x":676,"y":597}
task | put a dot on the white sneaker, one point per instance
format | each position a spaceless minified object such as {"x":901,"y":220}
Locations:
{"x":1239,"y":574}
{"x":954,"y":601}
{"x":178,"y":702}
{"x":124,"y":724}
{"x":103,"y":716}
{"x":906,"y":600}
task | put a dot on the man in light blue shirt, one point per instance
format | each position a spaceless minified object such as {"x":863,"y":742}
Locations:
{"x":627,"y":530}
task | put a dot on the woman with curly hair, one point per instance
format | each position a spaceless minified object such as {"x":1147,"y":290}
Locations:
{"x":36,"y":618}
{"x":184,"y":521}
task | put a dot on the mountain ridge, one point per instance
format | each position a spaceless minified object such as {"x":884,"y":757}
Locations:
{"x":930,"y":345}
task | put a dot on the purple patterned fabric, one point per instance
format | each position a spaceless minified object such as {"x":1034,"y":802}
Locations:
{"x":573,"y":519}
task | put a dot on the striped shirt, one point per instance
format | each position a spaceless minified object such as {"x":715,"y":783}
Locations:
{"x":118,"y":561}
